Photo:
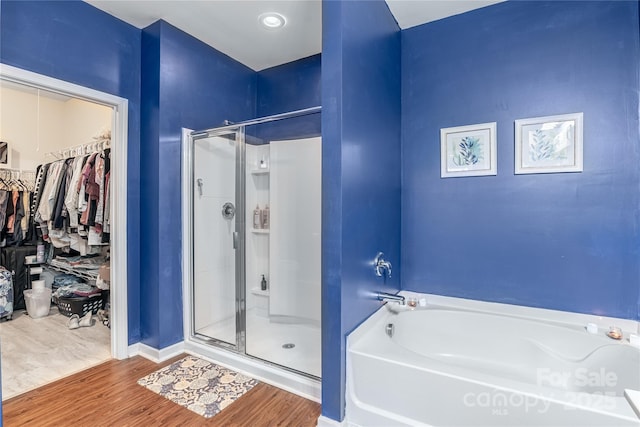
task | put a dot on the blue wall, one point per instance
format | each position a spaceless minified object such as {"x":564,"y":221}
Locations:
{"x":284,"y":88}
{"x":559,"y":241}
{"x":360,"y":176}
{"x":149,"y":139}
{"x":186,"y":83}
{"x":292,"y":86}
{"x":75,"y":42}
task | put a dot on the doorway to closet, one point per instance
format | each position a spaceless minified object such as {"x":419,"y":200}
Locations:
{"x":68,"y":125}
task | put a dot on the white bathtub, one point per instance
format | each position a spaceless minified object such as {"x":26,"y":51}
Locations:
{"x":456,"y":364}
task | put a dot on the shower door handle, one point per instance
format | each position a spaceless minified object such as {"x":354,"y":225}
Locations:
{"x":235,"y":240}
{"x":200,"y":184}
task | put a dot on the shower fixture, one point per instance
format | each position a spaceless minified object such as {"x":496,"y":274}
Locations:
{"x":381,"y":266}
{"x":200,"y":184}
{"x":228,"y":210}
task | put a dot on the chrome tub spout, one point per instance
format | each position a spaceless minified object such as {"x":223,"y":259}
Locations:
{"x":384,"y":296}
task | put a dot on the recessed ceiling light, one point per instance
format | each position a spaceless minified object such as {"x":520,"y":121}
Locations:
{"x":272,"y":20}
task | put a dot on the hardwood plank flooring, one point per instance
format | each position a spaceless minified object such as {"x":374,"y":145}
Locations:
{"x":108,"y":395}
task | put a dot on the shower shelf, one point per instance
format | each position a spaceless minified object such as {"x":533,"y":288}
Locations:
{"x":260,"y":231}
{"x":260,"y":172}
{"x":258,"y":291}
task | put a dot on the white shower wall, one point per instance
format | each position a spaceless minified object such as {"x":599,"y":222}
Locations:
{"x":296,"y":224}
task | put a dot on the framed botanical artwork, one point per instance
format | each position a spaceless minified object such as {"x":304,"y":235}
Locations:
{"x":549,"y":144}
{"x":468,"y":150}
{"x":5,"y":155}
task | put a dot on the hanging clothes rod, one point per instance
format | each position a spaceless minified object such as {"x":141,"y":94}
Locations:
{"x":19,"y":177}
{"x":98,"y":144}
{"x":15,"y":173}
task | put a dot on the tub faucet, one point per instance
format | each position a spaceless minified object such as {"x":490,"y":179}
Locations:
{"x":384,"y":296}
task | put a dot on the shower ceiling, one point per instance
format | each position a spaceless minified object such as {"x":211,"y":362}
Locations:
{"x":232,"y":26}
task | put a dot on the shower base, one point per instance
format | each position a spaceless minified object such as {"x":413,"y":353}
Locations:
{"x":270,"y":341}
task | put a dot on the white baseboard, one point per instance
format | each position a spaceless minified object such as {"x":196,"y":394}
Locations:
{"x":133,"y":350}
{"x":155,"y":355}
{"x":328,"y":422}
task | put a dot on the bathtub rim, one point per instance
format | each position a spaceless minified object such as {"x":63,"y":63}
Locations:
{"x":511,"y":310}
{"x":533,"y":313}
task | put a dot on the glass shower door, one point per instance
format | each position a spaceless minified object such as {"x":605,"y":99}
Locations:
{"x":217,"y":237}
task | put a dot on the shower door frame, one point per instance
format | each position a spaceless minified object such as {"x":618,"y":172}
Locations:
{"x":239,"y":239}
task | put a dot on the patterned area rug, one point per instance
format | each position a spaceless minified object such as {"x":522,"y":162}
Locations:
{"x":198,"y":385}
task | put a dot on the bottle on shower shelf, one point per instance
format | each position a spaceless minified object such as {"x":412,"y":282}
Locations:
{"x":257,"y":217}
{"x":265,"y":217}
{"x":263,"y":283}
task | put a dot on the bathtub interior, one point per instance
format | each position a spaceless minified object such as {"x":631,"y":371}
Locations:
{"x":531,"y":351}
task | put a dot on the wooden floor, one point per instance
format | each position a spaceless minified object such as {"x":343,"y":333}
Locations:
{"x":108,"y":395}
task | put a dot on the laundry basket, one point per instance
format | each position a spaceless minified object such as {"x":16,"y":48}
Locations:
{"x":78,"y":305}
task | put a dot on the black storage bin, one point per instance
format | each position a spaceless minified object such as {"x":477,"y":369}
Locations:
{"x":12,"y":258}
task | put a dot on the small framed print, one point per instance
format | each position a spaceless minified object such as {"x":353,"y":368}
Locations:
{"x":549,"y":144}
{"x":5,"y":155}
{"x":468,"y":150}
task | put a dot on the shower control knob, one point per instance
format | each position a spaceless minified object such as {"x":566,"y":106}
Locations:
{"x":228,"y":210}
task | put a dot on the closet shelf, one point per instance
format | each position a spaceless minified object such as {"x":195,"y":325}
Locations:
{"x":85,"y":274}
{"x":260,"y":230}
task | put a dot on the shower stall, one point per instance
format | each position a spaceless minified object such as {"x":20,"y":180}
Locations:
{"x":252,"y":205}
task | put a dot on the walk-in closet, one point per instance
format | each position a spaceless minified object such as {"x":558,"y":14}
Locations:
{"x":55,"y":242}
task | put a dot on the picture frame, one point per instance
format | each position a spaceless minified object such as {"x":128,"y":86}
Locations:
{"x":549,"y":144}
{"x":5,"y":155}
{"x":468,"y":150}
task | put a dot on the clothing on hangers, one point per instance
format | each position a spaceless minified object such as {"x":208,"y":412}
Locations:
{"x":70,"y":201}
{"x":15,"y":192}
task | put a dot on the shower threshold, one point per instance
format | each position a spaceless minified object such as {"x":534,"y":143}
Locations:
{"x":268,"y":341}
{"x":300,"y":383}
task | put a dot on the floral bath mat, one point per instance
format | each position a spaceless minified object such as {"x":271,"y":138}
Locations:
{"x":198,"y":385}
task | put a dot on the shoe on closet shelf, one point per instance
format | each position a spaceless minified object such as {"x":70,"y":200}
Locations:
{"x":86,"y":320}
{"x":74,"y":322}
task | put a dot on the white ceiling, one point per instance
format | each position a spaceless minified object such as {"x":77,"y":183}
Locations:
{"x":409,"y":13}
{"x":232,"y":27}
{"x":7,"y":84}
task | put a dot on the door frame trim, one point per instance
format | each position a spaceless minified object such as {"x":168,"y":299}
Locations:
{"x":241,"y":215}
{"x":187,"y":230}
